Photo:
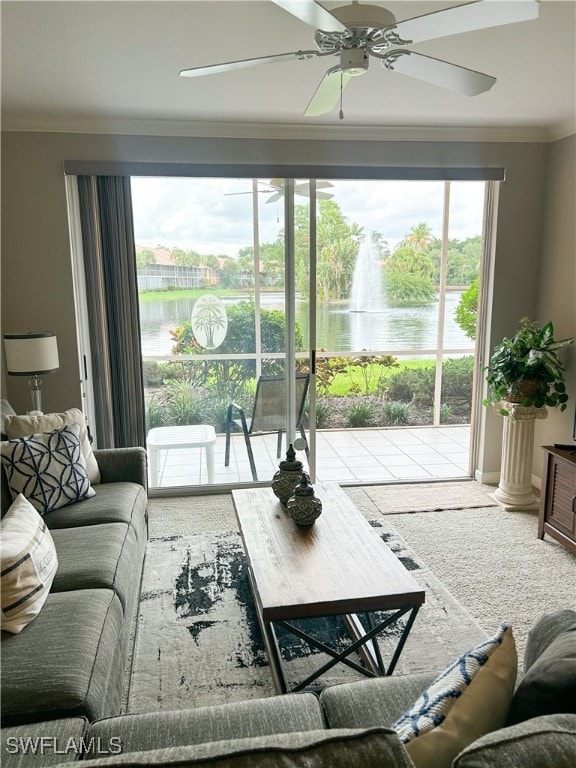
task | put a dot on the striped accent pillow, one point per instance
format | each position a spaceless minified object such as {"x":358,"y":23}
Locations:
{"x":28,"y":564}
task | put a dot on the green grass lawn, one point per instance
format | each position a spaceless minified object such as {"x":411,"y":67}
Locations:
{"x":184,"y":293}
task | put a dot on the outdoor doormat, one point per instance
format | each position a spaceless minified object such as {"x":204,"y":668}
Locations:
{"x":199,"y":642}
{"x":403,"y":498}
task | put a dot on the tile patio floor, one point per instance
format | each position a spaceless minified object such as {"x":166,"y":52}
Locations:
{"x":347,"y":456}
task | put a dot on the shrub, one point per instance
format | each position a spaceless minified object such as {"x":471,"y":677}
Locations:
{"x":360,"y":414}
{"x":153,"y":373}
{"x":156,"y":415}
{"x":215,"y":412}
{"x":184,"y":406}
{"x":412,"y":385}
{"x":457,"y":375}
{"x":323,"y":411}
{"x":445,"y":413}
{"x":466,"y":313}
{"x":397,"y":413}
{"x":408,"y":289}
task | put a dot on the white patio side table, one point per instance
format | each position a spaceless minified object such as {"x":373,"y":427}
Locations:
{"x":192,"y":436}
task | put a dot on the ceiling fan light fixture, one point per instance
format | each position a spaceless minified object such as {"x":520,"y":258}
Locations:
{"x":354,"y":61}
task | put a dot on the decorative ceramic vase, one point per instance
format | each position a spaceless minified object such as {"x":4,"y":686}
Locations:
{"x":288,"y":476}
{"x":303,"y":507}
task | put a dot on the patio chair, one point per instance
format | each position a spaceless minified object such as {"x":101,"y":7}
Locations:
{"x":268,"y":414}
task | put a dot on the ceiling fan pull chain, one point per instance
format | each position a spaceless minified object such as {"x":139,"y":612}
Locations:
{"x":341,"y":113}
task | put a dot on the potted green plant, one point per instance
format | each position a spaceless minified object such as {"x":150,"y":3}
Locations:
{"x":527,"y":370}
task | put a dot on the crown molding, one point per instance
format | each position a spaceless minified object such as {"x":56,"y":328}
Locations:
{"x":563,"y":130}
{"x":291,"y":131}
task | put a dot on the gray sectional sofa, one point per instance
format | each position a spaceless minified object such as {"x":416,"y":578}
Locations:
{"x":70,"y":661}
{"x":345,"y":726}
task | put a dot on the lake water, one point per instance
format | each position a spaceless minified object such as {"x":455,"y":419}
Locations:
{"x":338,"y":329}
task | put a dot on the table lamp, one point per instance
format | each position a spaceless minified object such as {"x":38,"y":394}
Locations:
{"x":31,"y":354}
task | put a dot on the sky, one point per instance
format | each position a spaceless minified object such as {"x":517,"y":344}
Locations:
{"x":214,"y":216}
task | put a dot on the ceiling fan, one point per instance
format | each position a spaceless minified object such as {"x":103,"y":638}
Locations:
{"x":356,"y":32}
{"x":275,"y":190}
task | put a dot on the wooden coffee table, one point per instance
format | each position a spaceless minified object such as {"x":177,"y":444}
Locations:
{"x":339,"y":566}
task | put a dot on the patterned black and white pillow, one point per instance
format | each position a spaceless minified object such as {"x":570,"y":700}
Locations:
{"x":49,"y":468}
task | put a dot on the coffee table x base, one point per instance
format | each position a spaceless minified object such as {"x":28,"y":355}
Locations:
{"x":364,"y":641}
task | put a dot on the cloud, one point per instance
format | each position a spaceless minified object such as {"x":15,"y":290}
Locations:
{"x":214,"y":216}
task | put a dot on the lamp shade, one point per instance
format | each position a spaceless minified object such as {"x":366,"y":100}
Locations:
{"x":31,"y":353}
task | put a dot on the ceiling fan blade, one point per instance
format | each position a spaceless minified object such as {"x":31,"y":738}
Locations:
{"x":328,"y":92}
{"x":311,"y":13}
{"x":465,"y":18}
{"x":442,"y":73}
{"x":319,"y":195}
{"x":304,"y":185}
{"x":228,"y":66}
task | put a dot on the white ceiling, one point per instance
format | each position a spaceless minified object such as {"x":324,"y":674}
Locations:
{"x":113,"y":66}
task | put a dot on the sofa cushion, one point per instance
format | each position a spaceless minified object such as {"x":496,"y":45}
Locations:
{"x":123,"y":465}
{"x":113,"y":503}
{"x":481,"y":708}
{"x":42,"y":744}
{"x":370,"y":703}
{"x":36,"y":421}
{"x":98,"y":557}
{"x":239,"y":720}
{"x":62,"y":664}
{"x":543,"y":742}
{"x":28,"y":564}
{"x":48,"y":468}
{"x":305,"y":749}
{"x":549,"y":686}
{"x":544,"y":631}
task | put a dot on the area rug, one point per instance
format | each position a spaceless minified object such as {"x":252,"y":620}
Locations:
{"x":199,"y":642}
{"x":404,"y":498}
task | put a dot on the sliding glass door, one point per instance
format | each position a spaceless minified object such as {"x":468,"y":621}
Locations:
{"x":367,"y":287}
{"x":394,"y":298}
{"x":218,"y":334}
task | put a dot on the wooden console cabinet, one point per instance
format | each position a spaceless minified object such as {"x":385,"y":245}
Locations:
{"x":558,"y":496}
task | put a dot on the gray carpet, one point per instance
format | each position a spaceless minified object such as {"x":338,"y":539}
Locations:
{"x":493,"y":564}
{"x":198,"y":642}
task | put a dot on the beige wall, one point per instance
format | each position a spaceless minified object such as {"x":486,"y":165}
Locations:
{"x":37,"y":288}
{"x":557,"y":282}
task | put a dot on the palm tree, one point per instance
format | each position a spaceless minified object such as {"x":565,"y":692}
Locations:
{"x":420,"y":237}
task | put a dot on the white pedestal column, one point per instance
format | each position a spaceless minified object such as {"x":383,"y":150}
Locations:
{"x":515,"y":487}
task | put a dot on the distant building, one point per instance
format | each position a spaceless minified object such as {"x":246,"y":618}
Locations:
{"x":163,"y":273}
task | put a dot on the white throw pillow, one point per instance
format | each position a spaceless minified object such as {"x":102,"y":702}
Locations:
{"x":49,"y":469}
{"x":28,"y":564}
{"x":36,"y":421}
